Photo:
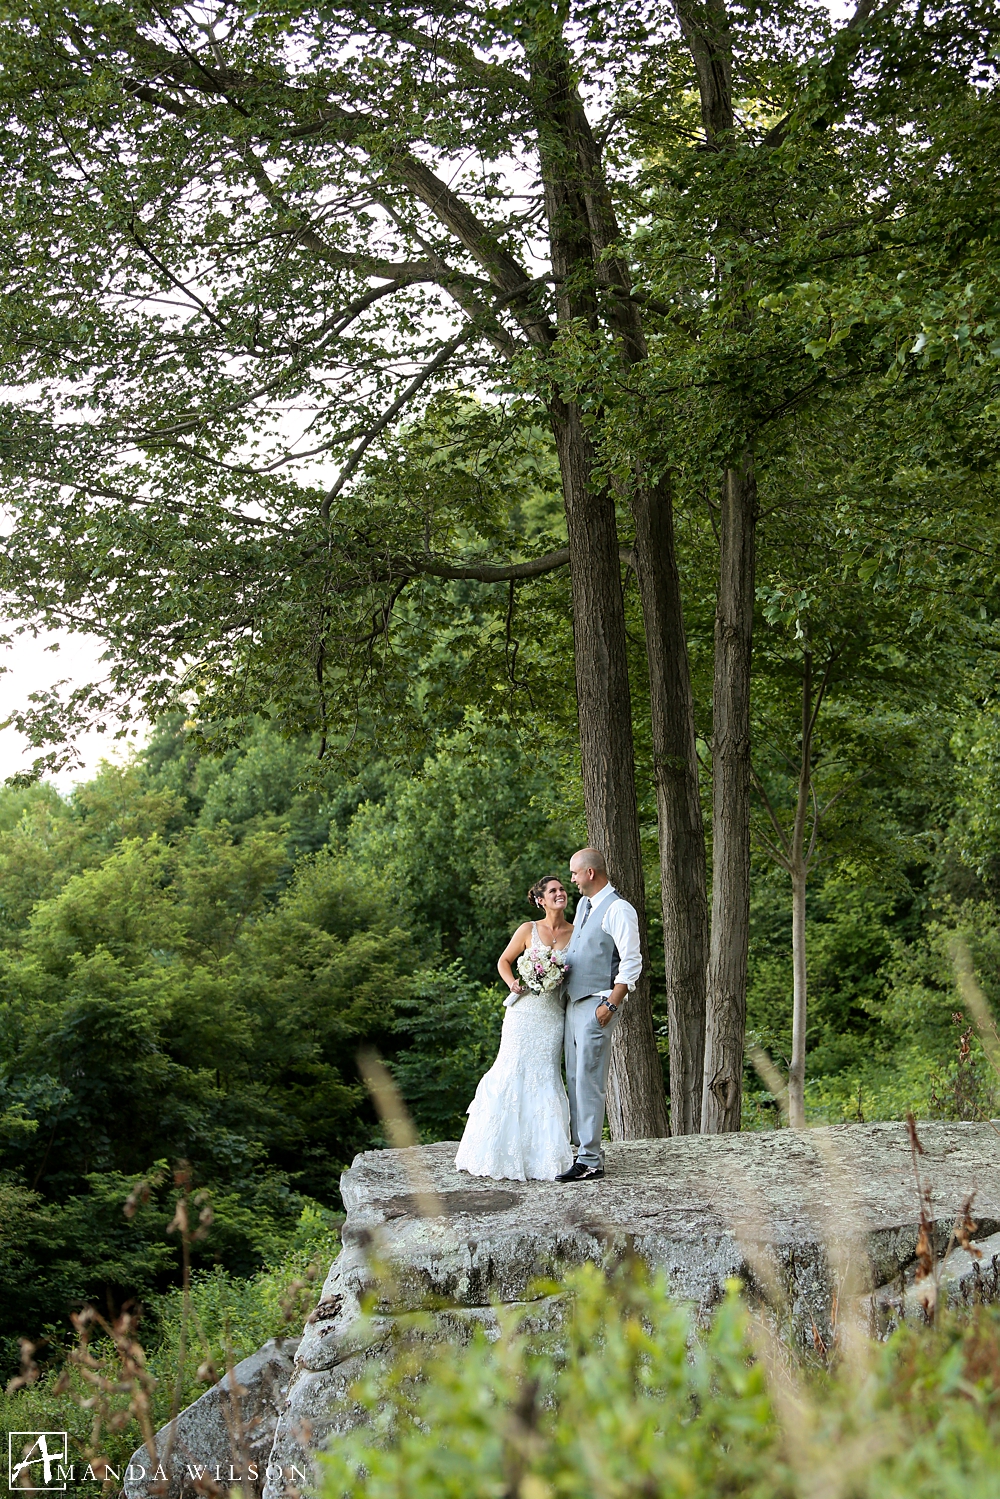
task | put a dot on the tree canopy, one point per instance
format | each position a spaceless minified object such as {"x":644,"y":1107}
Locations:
{"x":338,"y":338}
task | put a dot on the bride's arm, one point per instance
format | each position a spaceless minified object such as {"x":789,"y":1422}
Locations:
{"x":515,"y":947}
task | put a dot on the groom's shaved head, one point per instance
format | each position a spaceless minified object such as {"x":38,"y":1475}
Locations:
{"x":590,"y":858}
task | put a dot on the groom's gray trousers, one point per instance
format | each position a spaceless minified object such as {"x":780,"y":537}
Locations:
{"x":588,"y":1057}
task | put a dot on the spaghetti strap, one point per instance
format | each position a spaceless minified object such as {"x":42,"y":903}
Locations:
{"x":534,"y":934}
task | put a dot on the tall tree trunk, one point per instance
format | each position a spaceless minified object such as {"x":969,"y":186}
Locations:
{"x":731,"y":779}
{"x":798,"y":869}
{"x":707,"y":31}
{"x":797,"y":1071}
{"x":636,"y":1104}
{"x":678,"y":803}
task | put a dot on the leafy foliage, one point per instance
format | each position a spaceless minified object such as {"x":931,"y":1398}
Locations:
{"x":628,"y":1398}
{"x":621,"y":1404}
{"x":453,"y":1030}
{"x":189,"y":1340}
{"x":194,"y":950}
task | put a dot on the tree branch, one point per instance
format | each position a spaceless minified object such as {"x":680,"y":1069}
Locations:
{"x":421,"y":378}
{"x":398,"y":273}
{"x":460,"y":56}
{"x":479,"y":240}
{"x":776,"y":854}
{"x":504,"y":271}
{"x":490,"y":572}
{"x":771,"y":816}
{"x":845,"y":44}
{"x":820,"y":694}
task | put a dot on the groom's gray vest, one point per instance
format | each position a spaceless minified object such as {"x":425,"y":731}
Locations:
{"x":593,"y":956}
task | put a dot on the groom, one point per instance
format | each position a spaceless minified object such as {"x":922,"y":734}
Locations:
{"x":605,"y":962}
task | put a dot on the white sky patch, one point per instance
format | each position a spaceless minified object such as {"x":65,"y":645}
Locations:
{"x":31,"y":666}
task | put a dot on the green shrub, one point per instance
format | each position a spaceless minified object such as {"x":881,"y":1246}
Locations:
{"x":188,"y":1342}
{"x":619,"y":1403}
{"x":453,"y":1027}
{"x":628,"y":1400}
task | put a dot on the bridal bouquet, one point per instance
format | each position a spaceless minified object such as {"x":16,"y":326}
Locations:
{"x":541,"y":970}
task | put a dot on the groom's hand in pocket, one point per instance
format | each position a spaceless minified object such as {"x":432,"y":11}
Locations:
{"x":604,"y":1014}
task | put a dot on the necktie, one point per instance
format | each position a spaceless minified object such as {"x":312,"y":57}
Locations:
{"x":583,"y":912}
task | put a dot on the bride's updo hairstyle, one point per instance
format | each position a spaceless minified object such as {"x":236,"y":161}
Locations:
{"x":539,"y":888}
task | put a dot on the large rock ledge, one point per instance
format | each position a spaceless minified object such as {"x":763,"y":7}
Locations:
{"x":784,"y":1211}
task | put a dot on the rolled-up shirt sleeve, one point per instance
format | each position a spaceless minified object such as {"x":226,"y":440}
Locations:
{"x":621,"y":923}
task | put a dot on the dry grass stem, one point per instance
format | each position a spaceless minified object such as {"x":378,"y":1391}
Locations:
{"x":402,"y":1135}
{"x":796,"y":1413}
{"x":846,"y":1239}
{"x":823,"y":1468}
{"x":771,"y":1078}
{"x":750,"y":1230}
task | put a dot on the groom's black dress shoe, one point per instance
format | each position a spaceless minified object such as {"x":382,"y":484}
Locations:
{"x":580,"y":1173}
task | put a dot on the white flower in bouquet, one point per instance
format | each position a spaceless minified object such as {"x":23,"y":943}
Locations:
{"x":542,"y":970}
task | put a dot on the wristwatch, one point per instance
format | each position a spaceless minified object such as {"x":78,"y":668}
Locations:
{"x":610,"y":1006}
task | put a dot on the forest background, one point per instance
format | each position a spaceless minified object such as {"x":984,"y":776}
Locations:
{"x":749,"y":394}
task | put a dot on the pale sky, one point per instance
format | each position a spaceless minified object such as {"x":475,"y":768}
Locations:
{"x":31,"y":666}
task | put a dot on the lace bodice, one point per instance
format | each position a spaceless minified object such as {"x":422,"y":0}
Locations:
{"x":537,"y":942}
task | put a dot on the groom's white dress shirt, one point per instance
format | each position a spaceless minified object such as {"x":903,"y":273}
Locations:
{"x":621,"y":923}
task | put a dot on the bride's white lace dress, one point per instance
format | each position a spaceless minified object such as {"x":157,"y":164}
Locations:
{"x":518,"y":1125}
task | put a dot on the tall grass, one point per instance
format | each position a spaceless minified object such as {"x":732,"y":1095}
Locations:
{"x":629,"y":1399}
{"x":183,"y":1342}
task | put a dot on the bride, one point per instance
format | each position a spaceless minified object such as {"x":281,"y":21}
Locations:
{"x":519,"y":1119}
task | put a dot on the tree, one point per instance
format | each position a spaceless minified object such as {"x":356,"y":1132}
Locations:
{"x":863,"y":643}
{"x":795,"y":850}
{"x":207,"y":106}
{"x":798,"y":174}
{"x":253,"y":207}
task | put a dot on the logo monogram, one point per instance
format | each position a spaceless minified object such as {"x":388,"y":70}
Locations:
{"x":34,"y":1455}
